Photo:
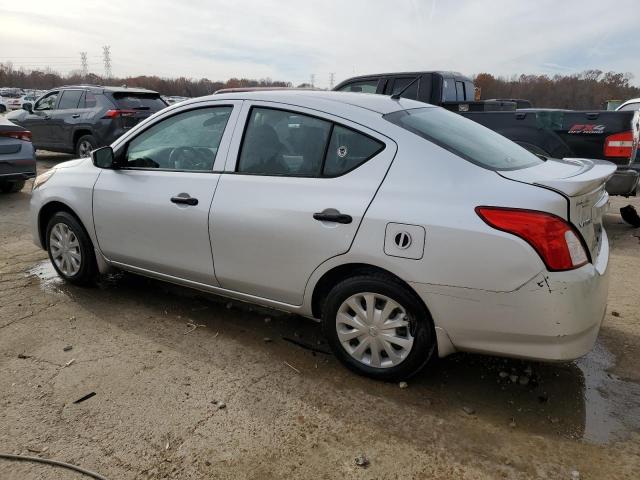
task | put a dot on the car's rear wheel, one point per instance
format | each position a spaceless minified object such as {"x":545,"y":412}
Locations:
{"x":11,"y":187}
{"x":85,"y":145}
{"x":70,"y":249}
{"x":378,"y":328}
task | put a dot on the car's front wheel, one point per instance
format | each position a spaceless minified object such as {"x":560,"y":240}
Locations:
{"x":85,"y":145}
{"x":70,"y":249}
{"x":378,"y":328}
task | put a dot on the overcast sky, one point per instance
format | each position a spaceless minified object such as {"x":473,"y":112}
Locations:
{"x":292,"y":39}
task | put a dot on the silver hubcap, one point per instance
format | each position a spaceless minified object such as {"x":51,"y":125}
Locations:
{"x":374,"y":330}
{"x":84,"y":149}
{"x":65,"y":249}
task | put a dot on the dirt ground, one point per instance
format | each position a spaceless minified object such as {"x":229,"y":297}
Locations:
{"x":252,"y":394}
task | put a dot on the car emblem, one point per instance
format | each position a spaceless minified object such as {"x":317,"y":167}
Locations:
{"x":342,"y":151}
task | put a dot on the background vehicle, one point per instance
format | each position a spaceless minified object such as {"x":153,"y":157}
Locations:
{"x":79,"y":118}
{"x":346,"y":208}
{"x":17,"y":156}
{"x":554,"y":133}
{"x":632,"y":105}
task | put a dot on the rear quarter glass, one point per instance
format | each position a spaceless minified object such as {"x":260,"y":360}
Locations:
{"x":465,"y":138}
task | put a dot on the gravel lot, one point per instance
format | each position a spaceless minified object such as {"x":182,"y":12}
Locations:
{"x":252,"y":394}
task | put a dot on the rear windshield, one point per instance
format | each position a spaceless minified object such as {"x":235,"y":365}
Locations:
{"x":465,"y":138}
{"x":139,"y":101}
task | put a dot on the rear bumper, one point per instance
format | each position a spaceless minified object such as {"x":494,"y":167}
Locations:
{"x":625,"y":181}
{"x":556,"y":316}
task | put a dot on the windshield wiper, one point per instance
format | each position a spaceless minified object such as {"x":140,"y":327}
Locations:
{"x":396,"y":96}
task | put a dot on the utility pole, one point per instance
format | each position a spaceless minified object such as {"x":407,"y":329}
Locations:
{"x":85,"y":65}
{"x":313,"y":80}
{"x":106,"y":55}
{"x":331,"y":79}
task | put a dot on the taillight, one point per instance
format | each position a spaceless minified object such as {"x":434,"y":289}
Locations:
{"x":555,"y":240}
{"x":619,"y":145}
{"x":119,"y":113}
{"x":18,"y":135}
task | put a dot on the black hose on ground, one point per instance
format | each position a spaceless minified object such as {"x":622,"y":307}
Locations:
{"x":47,"y":461}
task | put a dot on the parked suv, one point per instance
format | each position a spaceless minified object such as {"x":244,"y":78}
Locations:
{"x":79,"y":118}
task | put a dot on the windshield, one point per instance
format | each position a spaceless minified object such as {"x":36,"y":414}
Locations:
{"x":465,"y":138}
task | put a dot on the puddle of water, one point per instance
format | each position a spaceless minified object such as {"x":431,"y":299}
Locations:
{"x":50,"y":282}
{"x":612,"y":405}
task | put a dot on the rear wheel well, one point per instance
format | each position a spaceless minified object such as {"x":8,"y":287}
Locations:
{"x":48,"y":211}
{"x":342,"y":272}
{"x":79,"y":133}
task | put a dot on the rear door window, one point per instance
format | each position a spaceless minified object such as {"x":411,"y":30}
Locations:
{"x":88,"y":100}
{"x":69,"y":99}
{"x":279,"y":142}
{"x":449,"y":93}
{"x":460,"y":91}
{"x":139,"y":101}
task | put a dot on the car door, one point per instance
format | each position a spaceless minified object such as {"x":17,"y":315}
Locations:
{"x":152,"y":213}
{"x":296,"y":188}
{"x":38,"y":122}
{"x":65,"y":117}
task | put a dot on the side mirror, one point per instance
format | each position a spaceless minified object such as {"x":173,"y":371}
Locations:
{"x":28,"y":107}
{"x":103,"y":158}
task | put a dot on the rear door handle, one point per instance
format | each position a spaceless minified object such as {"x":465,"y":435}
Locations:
{"x":332,"y":215}
{"x":75,"y":115}
{"x":184,"y":200}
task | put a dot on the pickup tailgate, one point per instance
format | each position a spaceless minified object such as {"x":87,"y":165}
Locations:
{"x":582,"y":182}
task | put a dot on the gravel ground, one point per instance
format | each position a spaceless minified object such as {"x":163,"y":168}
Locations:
{"x":252,"y":394}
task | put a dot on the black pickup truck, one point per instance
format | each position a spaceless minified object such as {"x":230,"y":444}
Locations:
{"x":555,"y":133}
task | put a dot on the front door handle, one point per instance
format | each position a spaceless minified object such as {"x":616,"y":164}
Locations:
{"x":332,"y":215}
{"x":184,"y":200}
{"x":75,"y":115}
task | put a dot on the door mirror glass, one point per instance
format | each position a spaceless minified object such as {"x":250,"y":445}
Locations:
{"x":28,"y":107}
{"x":103,"y":157}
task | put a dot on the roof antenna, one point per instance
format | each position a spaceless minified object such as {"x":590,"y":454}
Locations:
{"x":396,"y":96}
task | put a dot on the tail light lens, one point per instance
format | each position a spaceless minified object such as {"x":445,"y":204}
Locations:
{"x":119,"y":113}
{"x":619,"y":145}
{"x":557,"y":242}
{"x":18,"y":135}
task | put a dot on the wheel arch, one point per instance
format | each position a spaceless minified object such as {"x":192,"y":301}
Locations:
{"x":47,"y":211}
{"x":80,"y":132}
{"x":343,"y":271}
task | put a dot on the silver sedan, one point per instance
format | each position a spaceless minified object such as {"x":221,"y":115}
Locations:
{"x":407,"y":230}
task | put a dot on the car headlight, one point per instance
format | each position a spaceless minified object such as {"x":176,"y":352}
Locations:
{"x":42,"y":178}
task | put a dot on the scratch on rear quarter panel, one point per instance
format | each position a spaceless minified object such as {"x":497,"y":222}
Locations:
{"x":546,"y":280}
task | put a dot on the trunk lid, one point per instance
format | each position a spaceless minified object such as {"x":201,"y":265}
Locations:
{"x":582,"y":182}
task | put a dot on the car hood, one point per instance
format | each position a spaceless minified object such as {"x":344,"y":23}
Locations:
{"x":72,"y":163}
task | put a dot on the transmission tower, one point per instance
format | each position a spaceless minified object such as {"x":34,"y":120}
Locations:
{"x":313,"y":80}
{"x":85,"y":64}
{"x":106,"y":55}
{"x":331,"y":79}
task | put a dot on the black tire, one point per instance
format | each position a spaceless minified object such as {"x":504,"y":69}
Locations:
{"x":85,"y":142}
{"x":88,"y":271}
{"x":421,"y":325}
{"x":11,"y":187}
{"x":3,"y":109}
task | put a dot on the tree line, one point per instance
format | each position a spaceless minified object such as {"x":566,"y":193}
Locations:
{"x":587,"y":90}
{"x":181,"y":86}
